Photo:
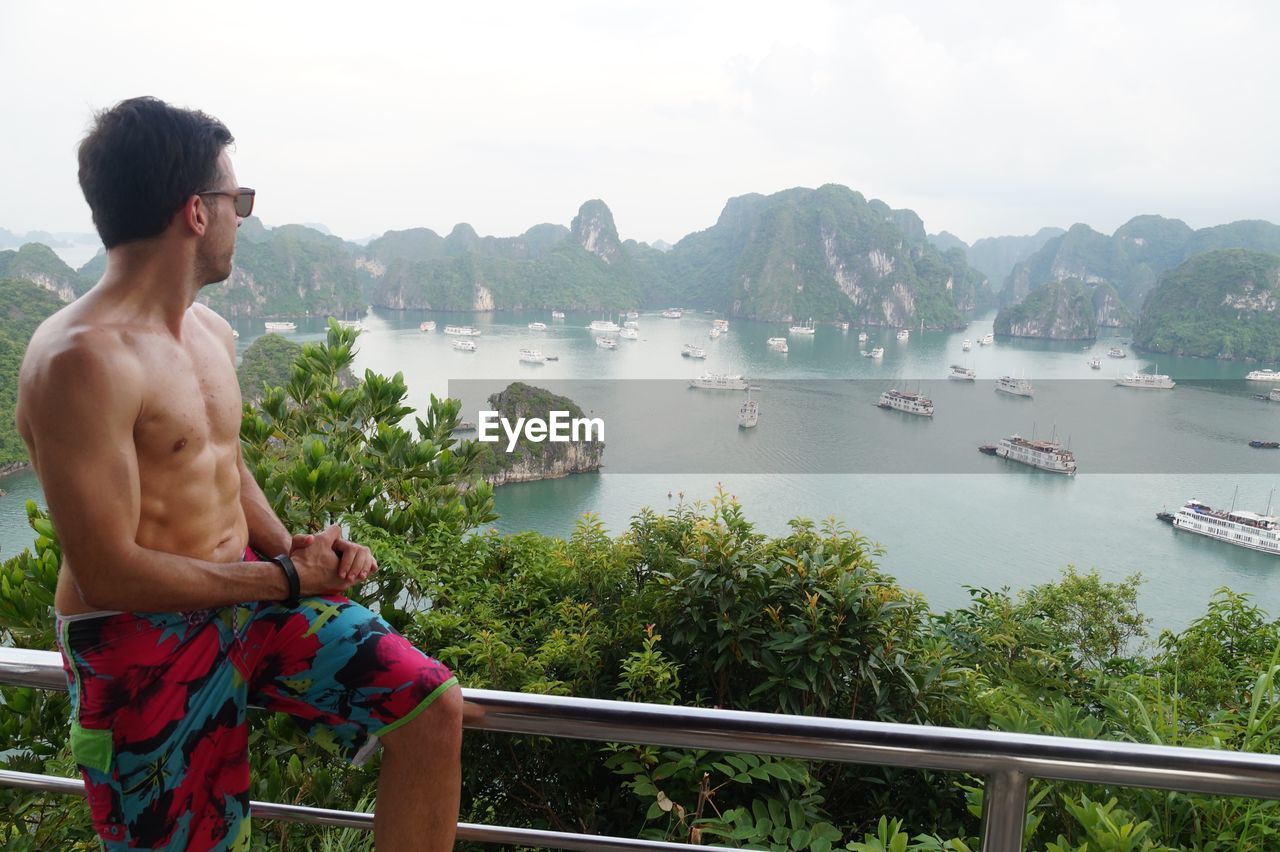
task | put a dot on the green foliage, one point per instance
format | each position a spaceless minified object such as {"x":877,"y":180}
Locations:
{"x":23,"y":306}
{"x":1062,"y":310}
{"x":266,"y":363}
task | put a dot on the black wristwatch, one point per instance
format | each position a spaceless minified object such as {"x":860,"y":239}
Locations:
{"x":290,"y":576}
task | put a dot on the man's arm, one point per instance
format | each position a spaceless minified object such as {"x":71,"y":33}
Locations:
{"x":267,"y":534}
{"x":81,"y":406}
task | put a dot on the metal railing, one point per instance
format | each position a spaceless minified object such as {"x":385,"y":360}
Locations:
{"x":1006,"y":761}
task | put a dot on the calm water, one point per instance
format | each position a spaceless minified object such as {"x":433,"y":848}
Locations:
{"x":941,"y":531}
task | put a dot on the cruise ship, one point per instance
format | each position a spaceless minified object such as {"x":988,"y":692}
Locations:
{"x":429,"y":325}
{"x":987,"y":339}
{"x":1150,"y":381}
{"x":1244,"y":529}
{"x":777,"y":344}
{"x":718,"y":381}
{"x":862,"y":337}
{"x":537,"y":326}
{"x":606,"y":343}
{"x":532,"y":356}
{"x":803,"y":329}
{"x":748,"y":412}
{"x":630,"y":334}
{"x":464,"y":345}
{"x":690,"y":350}
{"x":1115,"y":352}
{"x":1045,"y":455}
{"x":962,"y":373}
{"x":1264,"y":376}
{"x":1017,"y":387}
{"x":606,"y":326}
{"x":281,"y":326}
{"x":355,"y":324}
{"x":461,"y":330}
{"x":906,"y":402}
{"x":876,"y":353}
{"x":673,"y":313}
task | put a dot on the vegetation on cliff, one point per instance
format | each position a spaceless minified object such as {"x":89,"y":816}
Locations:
{"x":23,"y":306}
{"x":538,"y":459}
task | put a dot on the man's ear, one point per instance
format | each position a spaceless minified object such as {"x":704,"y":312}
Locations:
{"x":195,"y":215}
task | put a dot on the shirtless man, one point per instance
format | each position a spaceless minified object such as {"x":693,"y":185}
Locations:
{"x":178,"y":598}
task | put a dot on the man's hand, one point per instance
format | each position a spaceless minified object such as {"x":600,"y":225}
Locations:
{"x":317,"y":563}
{"x":355,"y":562}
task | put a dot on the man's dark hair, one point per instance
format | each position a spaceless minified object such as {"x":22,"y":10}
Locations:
{"x":140,"y":163}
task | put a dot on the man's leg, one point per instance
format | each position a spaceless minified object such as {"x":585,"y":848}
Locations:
{"x":420,"y":778}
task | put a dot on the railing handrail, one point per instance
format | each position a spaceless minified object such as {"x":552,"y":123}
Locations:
{"x":1007,"y":760}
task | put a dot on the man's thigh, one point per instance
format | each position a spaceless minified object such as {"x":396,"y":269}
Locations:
{"x":341,"y":671}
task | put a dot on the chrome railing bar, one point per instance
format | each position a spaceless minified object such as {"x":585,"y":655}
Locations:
{"x":814,"y":738}
{"x":1004,"y":811}
{"x":363,"y":821}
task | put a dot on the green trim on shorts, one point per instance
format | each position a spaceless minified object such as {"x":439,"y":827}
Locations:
{"x":409,"y":717}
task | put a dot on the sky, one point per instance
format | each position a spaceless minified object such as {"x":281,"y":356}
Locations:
{"x":985,"y":118}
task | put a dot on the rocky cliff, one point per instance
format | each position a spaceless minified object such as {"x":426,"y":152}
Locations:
{"x":532,"y":460}
{"x":1062,"y":310}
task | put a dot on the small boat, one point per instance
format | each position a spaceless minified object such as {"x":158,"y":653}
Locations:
{"x":465,"y":426}
{"x":987,"y":339}
{"x":281,"y":326}
{"x":988,"y":449}
{"x":235,"y":334}
{"x":1116,"y":352}
{"x":633,"y":315}
{"x":461,"y":331}
{"x":714,"y":333}
{"x":1095,"y":363}
{"x":429,"y":325}
{"x":1166,"y":517}
{"x":1017,"y":387}
{"x":862,"y":337}
{"x":842,"y":325}
{"x":464,"y":345}
{"x":673,"y":313}
{"x":1265,"y":445}
{"x":722,"y":324}
{"x":552,"y":357}
{"x":537,"y":326}
{"x":718,"y":381}
{"x":963,"y":374}
{"x":904,"y":335}
{"x":629,"y":334}
{"x":748,"y":412}
{"x":1146,"y":381}
{"x":778,"y":344}
{"x":557,"y":314}
{"x":967,"y":344}
{"x":356,"y":324}
{"x":1263,"y":376}
{"x":606,"y":343}
{"x":804,"y":329}
{"x":690,"y":350}
{"x":532,"y":356}
{"x":876,"y":353}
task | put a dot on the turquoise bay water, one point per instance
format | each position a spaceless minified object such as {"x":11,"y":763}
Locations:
{"x":941,"y":532}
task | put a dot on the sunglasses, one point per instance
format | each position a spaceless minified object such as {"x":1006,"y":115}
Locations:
{"x":242,"y":198}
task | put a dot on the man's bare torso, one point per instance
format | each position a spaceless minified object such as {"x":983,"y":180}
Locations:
{"x":185,"y":435}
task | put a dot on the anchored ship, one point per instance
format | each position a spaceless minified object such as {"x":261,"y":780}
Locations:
{"x":1243,"y":529}
{"x":906,"y":402}
{"x":1150,"y":381}
{"x":1017,"y":387}
{"x":1045,"y":455}
{"x":719,"y":381}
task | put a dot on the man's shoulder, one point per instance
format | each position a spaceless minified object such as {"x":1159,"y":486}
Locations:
{"x":70,"y":341}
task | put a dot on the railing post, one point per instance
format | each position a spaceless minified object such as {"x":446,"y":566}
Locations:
{"x":1004,"y":811}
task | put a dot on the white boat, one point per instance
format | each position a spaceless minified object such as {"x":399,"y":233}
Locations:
{"x":631,"y":324}
{"x":673,"y":313}
{"x":606,"y":326}
{"x":777,"y":344}
{"x":356,"y":324}
{"x":537,"y":326}
{"x":461,"y":331}
{"x":718,"y":381}
{"x":862,"y":337}
{"x":1243,"y":529}
{"x":842,"y":325}
{"x":532,"y":356}
{"x":690,"y":350}
{"x":748,"y":412}
{"x":629,"y":334}
{"x":967,"y":344}
{"x":633,"y":315}
{"x":987,"y":339}
{"x":876,"y":353}
{"x":722,"y":324}
{"x":906,"y":402}
{"x":606,"y":343}
{"x":1115,"y":352}
{"x":962,"y":373}
{"x":429,"y":325}
{"x":1148,"y":381}
{"x":1095,"y":363}
{"x":235,"y":334}
{"x":904,"y":334}
{"x":557,"y":314}
{"x":1263,"y":376}
{"x":1046,"y":455}
{"x":281,"y":326}
{"x":1017,"y":387}
{"x":714,"y":333}
{"x":464,"y":345}
{"x":805,"y":328}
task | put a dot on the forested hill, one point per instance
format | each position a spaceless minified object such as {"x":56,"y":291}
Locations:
{"x":1218,"y":304}
{"x":1133,"y":258}
{"x":23,"y":306}
{"x":39,"y":264}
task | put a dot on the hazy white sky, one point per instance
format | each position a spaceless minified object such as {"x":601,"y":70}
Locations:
{"x":985,"y":118}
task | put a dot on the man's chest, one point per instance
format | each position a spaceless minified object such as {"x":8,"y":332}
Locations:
{"x":191,"y":403}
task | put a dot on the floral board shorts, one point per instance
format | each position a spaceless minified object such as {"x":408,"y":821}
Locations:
{"x":158,"y":706}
